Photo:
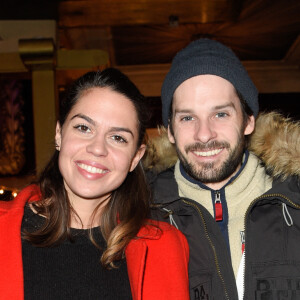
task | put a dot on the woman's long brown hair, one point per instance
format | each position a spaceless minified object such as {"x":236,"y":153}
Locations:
{"x":128,"y":205}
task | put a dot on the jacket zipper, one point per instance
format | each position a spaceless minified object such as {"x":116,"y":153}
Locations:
{"x":245,"y":216}
{"x":211,"y":244}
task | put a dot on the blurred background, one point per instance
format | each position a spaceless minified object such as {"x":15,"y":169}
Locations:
{"x":46,"y":44}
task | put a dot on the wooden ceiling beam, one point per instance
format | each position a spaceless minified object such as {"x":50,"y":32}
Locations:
{"x":293,"y":55}
{"x":147,"y":12}
{"x":268,"y":76}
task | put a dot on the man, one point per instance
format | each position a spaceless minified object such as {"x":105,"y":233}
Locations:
{"x":239,"y":209}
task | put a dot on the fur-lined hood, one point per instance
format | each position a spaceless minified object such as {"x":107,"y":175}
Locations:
{"x":275,"y":140}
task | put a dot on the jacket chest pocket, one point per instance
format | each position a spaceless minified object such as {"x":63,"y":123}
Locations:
{"x":285,"y":286}
{"x":200,"y":287}
{"x":275,"y":227}
{"x":272,"y":248}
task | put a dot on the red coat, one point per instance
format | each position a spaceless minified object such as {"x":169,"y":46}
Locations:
{"x":157,"y":263}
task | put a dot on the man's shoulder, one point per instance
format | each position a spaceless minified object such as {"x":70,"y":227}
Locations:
{"x":289,"y":187}
{"x":275,"y":142}
{"x":163,"y":185}
{"x":156,"y":179}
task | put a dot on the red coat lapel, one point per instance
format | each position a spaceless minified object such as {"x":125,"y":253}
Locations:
{"x":11,"y":274}
{"x":136,"y":252}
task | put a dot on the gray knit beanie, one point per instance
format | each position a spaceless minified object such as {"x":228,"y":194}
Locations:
{"x":205,"y":56}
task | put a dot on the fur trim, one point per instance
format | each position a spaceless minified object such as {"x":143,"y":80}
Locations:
{"x":160,"y":154}
{"x":276,"y":141}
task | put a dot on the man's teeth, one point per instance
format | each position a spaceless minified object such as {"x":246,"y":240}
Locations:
{"x":91,"y":169}
{"x":208,"y":153}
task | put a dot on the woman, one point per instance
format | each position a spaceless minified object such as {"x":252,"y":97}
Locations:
{"x":81,"y":232}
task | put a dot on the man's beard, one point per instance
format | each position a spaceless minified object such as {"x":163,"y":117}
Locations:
{"x":207,"y":172}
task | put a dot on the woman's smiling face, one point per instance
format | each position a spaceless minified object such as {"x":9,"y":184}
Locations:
{"x":98,"y":144}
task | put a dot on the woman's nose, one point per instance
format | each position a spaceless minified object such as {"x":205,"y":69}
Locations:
{"x":97,"y":146}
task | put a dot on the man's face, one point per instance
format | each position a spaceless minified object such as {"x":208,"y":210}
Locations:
{"x":208,"y":129}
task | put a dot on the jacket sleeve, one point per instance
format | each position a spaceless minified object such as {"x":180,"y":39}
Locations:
{"x":166,"y":266}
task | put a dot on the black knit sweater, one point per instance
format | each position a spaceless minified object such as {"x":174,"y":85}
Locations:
{"x":71,"y":270}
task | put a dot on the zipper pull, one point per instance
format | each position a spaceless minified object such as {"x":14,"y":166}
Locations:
{"x":218,"y":207}
{"x":170,"y":214}
{"x":242,"y":233}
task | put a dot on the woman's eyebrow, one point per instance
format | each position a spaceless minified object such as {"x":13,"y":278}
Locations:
{"x":91,"y":121}
{"x":121,"y":129}
{"x":82,"y":116}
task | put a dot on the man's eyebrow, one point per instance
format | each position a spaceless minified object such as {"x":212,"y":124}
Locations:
{"x":217,"y":107}
{"x":226,"y":105}
{"x":183,"y":111}
{"x":82,"y":116}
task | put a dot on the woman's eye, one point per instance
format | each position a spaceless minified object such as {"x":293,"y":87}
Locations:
{"x":82,"y":128}
{"x":119,"y":139}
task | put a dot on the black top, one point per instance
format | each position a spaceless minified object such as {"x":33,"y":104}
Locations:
{"x":71,"y":270}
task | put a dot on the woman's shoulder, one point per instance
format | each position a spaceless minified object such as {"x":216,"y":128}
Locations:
{"x":165,"y":232}
{"x":30,"y":193}
{"x":161,"y":250}
{"x":161,"y":237}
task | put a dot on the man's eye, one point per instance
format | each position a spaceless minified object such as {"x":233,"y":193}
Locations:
{"x":221,"y":115}
{"x":119,"y":139}
{"x":187,"y":118}
{"x":82,"y":128}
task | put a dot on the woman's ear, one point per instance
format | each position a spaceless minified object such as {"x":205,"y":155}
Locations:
{"x":137,"y":157}
{"x":57,"y":136}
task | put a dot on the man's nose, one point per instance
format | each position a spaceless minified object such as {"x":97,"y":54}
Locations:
{"x":204,"y":131}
